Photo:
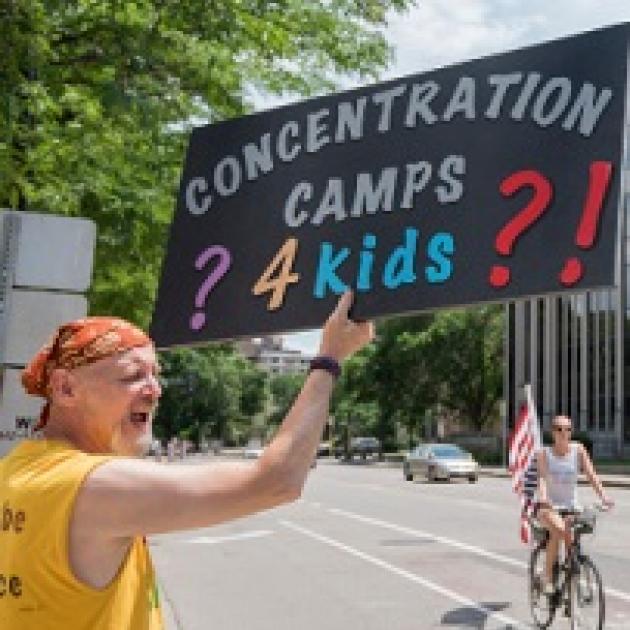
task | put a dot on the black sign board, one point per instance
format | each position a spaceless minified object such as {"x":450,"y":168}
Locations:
{"x":484,"y":181}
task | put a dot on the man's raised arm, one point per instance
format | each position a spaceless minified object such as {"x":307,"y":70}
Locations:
{"x":127,"y":497}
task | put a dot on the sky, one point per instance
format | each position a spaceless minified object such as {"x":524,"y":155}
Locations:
{"x":438,"y":33}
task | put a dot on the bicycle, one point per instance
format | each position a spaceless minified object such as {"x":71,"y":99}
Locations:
{"x":578,"y":583}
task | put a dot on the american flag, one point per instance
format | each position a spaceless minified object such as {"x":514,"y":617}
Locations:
{"x":524,"y":444}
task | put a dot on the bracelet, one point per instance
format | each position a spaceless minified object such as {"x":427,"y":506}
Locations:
{"x":326,"y":363}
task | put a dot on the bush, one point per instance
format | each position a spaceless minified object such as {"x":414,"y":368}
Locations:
{"x":489,"y":459}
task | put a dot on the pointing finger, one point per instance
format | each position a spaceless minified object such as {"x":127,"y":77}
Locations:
{"x":344,"y":305}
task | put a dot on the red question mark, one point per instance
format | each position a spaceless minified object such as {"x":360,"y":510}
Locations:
{"x":198,"y":319}
{"x":507,"y":237}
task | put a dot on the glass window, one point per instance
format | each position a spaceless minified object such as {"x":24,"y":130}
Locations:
{"x":447,"y":451}
{"x":614,"y":299}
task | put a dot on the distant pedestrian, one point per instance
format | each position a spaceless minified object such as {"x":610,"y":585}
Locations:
{"x":157,"y":450}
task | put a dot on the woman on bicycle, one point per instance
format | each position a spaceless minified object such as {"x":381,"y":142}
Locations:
{"x":558,"y":467}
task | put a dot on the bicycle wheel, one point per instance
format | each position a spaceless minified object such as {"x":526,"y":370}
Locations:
{"x":542,"y":607}
{"x":586,"y":597}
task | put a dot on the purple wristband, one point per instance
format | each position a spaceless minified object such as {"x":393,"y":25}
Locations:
{"x":325,"y":363}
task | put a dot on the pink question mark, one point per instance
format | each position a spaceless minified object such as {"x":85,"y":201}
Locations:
{"x":198,"y":319}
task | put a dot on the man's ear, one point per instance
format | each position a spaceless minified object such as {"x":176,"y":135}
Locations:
{"x":63,"y":386}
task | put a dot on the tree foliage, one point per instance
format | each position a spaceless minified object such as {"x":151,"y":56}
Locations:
{"x":212,"y":392}
{"x":283,"y":388}
{"x":450,"y":360}
{"x":464,"y":353}
{"x":356,"y":413}
{"x":97,"y":96}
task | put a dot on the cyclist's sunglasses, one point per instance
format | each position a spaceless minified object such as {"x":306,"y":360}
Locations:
{"x":562,"y":429}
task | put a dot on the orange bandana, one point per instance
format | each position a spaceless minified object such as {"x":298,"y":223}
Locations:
{"x":75,"y":344}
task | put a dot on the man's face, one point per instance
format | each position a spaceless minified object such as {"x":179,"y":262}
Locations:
{"x":117,"y":397}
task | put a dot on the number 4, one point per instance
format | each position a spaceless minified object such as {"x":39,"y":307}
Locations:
{"x":266,"y":282}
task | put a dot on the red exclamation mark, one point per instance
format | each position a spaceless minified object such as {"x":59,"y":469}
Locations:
{"x":599,"y":180}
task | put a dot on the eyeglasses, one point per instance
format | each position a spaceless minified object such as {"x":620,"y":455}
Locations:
{"x":563,"y":429}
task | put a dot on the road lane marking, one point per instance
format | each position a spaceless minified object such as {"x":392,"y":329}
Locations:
{"x":473,"y":549}
{"x":618,"y":594}
{"x":479,"y":551}
{"x":428,"y":584}
{"x":215,"y":540}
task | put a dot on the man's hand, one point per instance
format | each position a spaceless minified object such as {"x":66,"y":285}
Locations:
{"x":607,"y":503}
{"x":342,"y":337}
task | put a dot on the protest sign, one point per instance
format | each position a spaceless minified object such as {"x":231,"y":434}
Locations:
{"x":489,"y":180}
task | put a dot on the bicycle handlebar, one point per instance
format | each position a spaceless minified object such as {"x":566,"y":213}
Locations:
{"x":597,"y":506}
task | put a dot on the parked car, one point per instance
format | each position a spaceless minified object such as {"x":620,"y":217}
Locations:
{"x":364,"y":446}
{"x":324,"y":448}
{"x":440,"y":461}
{"x":253,"y":450}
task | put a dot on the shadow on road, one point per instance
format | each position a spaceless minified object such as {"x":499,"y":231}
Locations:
{"x":469,"y":617}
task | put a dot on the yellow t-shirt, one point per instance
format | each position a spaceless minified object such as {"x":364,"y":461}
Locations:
{"x":39,"y":480}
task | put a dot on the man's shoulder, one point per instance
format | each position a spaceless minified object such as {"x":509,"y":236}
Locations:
{"x":48,"y":462}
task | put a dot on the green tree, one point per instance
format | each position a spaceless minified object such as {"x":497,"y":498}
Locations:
{"x":354,"y":412}
{"x":254,"y":391}
{"x":211,"y":391}
{"x":398,"y":378}
{"x":463,"y":351}
{"x":96,"y":98}
{"x":284,"y":388}
{"x":452,"y":359}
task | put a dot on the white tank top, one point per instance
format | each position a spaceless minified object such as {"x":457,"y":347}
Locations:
{"x":562,"y":477}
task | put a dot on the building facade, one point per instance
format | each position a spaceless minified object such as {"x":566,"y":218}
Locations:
{"x":575,"y":349}
{"x":269,"y":354}
{"x":575,"y":352}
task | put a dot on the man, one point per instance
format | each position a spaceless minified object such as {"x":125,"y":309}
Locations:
{"x":77,"y":503}
{"x":559,"y":466}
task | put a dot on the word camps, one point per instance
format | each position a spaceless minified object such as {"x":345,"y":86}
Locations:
{"x":516,"y":95}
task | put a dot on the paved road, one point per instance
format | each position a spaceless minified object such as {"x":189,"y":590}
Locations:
{"x":365,"y":550}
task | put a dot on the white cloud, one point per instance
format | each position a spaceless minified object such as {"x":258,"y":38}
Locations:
{"x":441,"y":32}
{"x":307,"y":342}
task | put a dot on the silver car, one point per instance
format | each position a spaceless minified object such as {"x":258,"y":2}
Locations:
{"x":440,"y":461}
